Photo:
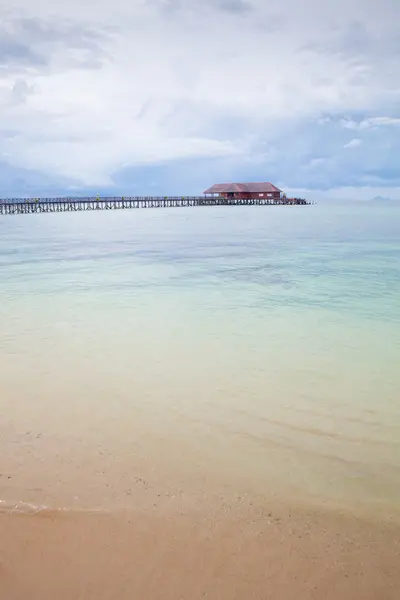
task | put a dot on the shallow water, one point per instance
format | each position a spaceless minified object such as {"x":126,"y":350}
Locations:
{"x":226,"y":350}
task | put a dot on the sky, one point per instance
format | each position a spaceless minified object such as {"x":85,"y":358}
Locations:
{"x":164,"y":97}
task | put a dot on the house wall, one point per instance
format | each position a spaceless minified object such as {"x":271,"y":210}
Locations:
{"x":243,"y":195}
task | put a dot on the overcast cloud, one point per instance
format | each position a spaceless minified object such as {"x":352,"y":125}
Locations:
{"x":164,"y":96}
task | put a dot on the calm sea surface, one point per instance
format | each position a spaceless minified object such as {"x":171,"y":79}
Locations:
{"x":241,"y":350}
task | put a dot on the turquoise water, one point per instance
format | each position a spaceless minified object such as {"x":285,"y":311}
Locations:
{"x":232,"y":349}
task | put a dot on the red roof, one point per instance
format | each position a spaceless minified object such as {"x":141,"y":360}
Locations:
{"x":252,"y":188}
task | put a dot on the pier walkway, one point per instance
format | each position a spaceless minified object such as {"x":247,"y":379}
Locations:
{"x":18,"y":206}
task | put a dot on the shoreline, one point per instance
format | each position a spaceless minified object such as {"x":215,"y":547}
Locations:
{"x":187,"y":496}
{"x":219,"y":552}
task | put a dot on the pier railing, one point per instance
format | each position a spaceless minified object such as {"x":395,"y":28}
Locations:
{"x":13,"y":206}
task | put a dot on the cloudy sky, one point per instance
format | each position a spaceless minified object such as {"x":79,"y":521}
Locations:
{"x":171,"y":96}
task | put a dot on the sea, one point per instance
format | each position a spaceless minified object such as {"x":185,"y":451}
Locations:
{"x":198,"y":352}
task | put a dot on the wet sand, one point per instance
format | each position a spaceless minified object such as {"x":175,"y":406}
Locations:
{"x":236,"y":552}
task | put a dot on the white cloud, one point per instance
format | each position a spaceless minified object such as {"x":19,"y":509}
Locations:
{"x":384,"y":121}
{"x":316,"y":162}
{"x":143,"y":82}
{"x":370,"y":123}
{"x":354,"y":143}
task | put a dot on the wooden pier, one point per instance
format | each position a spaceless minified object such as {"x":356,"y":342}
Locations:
{"x":19,"y":206}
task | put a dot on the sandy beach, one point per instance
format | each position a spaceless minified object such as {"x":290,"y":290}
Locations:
{"x":238,"y":552}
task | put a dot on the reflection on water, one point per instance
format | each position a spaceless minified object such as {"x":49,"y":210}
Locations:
{"x":233,"y":350}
